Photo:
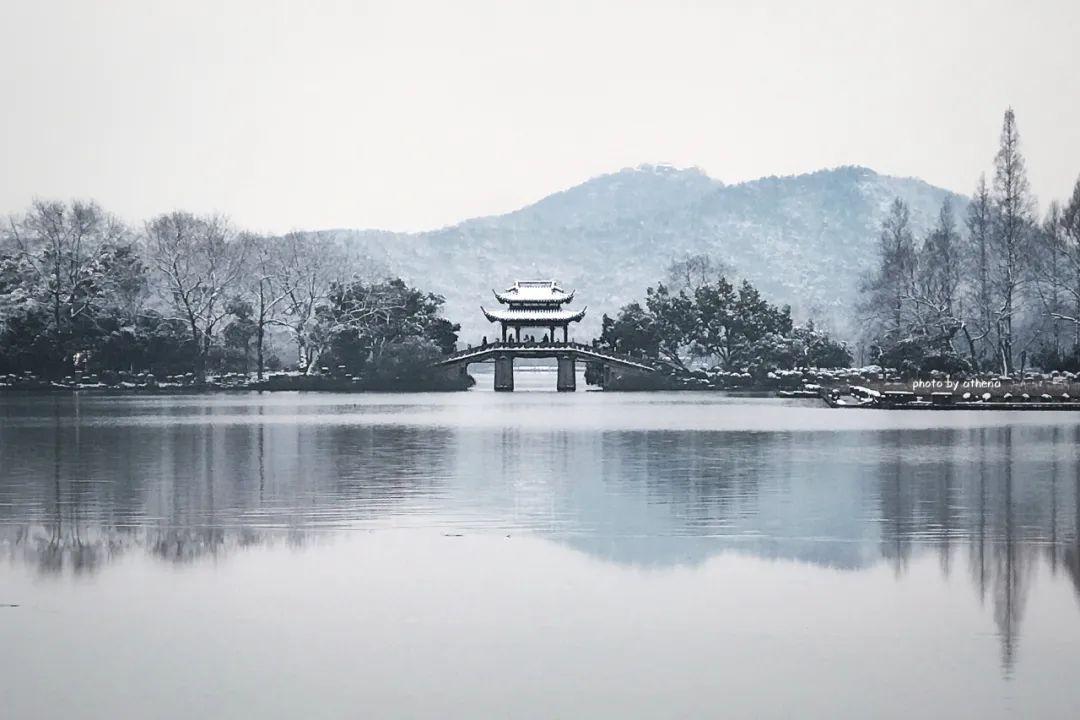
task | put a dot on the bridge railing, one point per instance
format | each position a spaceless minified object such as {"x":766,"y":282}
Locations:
{"x":550,"y":345}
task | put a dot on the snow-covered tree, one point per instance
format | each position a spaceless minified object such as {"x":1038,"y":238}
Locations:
{"x":980,"y":226}
{"x":304,"y":268}
{"x":1057,"y":271}
{"x":65,"y":264}
{"x":937,"y":309}
{"x":888,"y":293}
{"x":1011,"y":238}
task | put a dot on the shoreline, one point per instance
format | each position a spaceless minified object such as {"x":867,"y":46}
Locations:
{"x":841,"y":397}
{"x":279,"y":384}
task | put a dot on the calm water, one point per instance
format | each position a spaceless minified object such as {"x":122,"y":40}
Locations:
{"x":536,"y":554}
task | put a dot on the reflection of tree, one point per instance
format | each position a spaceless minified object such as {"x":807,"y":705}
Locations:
{"x":945,"y":516}
{"x":207,"y":485}
{"x":195,"y":489}
{"x":62,"y":542}
{"x":1072,"y":550}
{"x":978,"y":542}
{"x":1053,"y":538}
{"x":998,"y":499}
{"x":1012,"y":566}
{"x":918,"y":488}
{"x":898,"y":506}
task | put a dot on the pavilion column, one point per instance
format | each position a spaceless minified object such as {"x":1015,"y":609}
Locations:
{"x":504,"y":331}
{"x":566,"y":333}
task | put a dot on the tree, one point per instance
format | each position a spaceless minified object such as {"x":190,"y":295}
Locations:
{"x":1058,"y":270}
{"x":695,"y":271}
{"x":632,"y":332}
{"x":937,"y":307}
{"x":719,"y":327}
{"x":200,"y":261}
{"x":238,"y":336}
{"x":888,"y":292}
{"x":305,"y":268}
{"x":1010,"y":237}
{"x":739,"y":329}
{"x":939,"y":265}
{"x":406,"y":364}
{"x":66,"y":264}
{"x":814,"y":349}
{"x":149,"y":342}
{"x":980,"y":226}
{"x":264,"y":289}
{"x":362,"y":321}
{"x":1050,"y":275}
{"x":673,"y":322}
{"x":1069,"y":226}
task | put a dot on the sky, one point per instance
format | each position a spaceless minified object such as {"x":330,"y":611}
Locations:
{"x":409,"y":115}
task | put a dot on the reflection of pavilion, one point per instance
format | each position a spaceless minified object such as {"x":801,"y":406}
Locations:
{"x":534,"y":304}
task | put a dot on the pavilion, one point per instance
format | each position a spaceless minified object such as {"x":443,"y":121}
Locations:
{"x":534,"y":304}
{"x":539,"y":304}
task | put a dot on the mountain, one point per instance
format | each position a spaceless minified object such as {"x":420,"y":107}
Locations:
{"x":806,"y":240}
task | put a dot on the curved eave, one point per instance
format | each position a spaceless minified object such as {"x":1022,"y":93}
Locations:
{"x":507,"y":298}
{"x":539,"y":319}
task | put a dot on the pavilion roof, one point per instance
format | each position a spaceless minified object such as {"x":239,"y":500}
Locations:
{"x":534,"y":291}
{"x":540,"y":316}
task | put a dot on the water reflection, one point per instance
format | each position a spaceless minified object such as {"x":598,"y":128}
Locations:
{"x":82,"y":484}
{"x":73,"y":496}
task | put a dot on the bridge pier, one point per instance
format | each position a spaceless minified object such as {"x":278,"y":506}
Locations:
{"x":567,"y":381}
{"x":504,"y":373}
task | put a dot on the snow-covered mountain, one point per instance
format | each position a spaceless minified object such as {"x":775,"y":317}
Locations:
{"x":805,"y":240}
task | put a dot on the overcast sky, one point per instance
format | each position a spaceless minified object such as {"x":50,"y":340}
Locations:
{"x":411,"y":115}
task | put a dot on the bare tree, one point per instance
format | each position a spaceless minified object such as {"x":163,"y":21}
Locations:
{"x":1059,"y":269}
{"x":936,"y":299}
{"x":980,"y":222}
{"x":200,"y":261}
{"x":1049,"y":274}
{"x":262,"y":286}
{"x":1011,"y":237}
{"x":305,"y":268}
{"x":887,"y":293}
{"x":695,"y":271}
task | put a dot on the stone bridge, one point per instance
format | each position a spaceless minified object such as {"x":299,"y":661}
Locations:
{"x":503,"y":355}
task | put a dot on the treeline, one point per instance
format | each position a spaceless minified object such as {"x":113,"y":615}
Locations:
{"x":698,"y":321}
{"x":191,"y":294}
{"x":994,"y":291}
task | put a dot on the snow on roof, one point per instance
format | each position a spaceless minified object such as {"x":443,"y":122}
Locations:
{"x":534,"y":291}
{"x":540,"y":316}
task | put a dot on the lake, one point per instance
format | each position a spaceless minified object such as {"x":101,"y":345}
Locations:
{"x":534,"y":555}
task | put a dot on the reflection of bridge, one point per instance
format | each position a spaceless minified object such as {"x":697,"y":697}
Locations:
{"x":567,"y":353}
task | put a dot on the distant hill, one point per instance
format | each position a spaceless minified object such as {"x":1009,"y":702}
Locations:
{"x":805,"y":240}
